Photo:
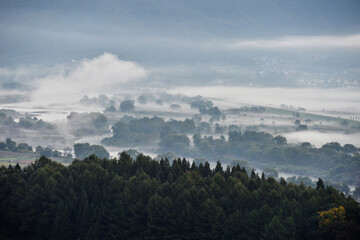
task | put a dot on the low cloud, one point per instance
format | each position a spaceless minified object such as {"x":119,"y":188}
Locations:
{"x":24,"y":75}
{"x":103,"y":74}
{"x":313,"y":99}
{"x":318,"y":138}
{"x":349,"y":41}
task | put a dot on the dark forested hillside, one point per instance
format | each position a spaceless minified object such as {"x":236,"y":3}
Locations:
{"x":145,"y":199}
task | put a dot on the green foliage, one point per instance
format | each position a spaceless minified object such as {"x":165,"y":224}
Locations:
{"x":47,"y":152}
{"x":6,"y":120}
{"x":147,"y":131}
{"x":247,"y":109}
{"x":127,"y":105}
{"x":10,"y":145}
{"x":26,"y":121}
{"x":24,"y":147}
{"x":214,"y":112}
{"x":34,"y":123}
{"x":234,"y":128}
{"x":201,"y":103}
{"x":320,"y":185}
{"x":260,"y":148}
{"x":203,"y":127}
{"x":280,"y":229}
{"x":142,"y":198}
{"x":175,"y":143}
{"x":306,"y":145}
{"x":132,"y":152}
{"x":87,"y":124}
{"x":332,"y":145}
{"x":301,"y":127}
{"x":83,"y":150}
{"x":280,"y":140}
{"x":173,"y":127}
{"x":349,"y":148}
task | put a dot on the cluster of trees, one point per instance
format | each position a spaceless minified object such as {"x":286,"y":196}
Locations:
{"x":9,"y":112}
{"x":175,"y":106}
{"x":201,"y":104}
{"x":146,"y":199}
{"x":247,"y":109}
{"x":298,"y":125}
{"x":147,"y":131}
{"x":203,"y":127}
{"x":261,"y":147}
{"x":347,"y":148}
{"x":109,"y":104}
{"x":175,"y":143}
{"x":149,"y":97}
{"x":301,"y":127}
{"x":213,"y":112}
{"x":34,"y":123}
{"x":49,"y":152}
{"x":207,"y":128}
{"x":335,"y":162}
{"x":205,"y":106}
{"x":101,"y":100}
{"x":87,"y":124}
{"x":127,"y":105}
{"x":26,"y":122}
{"x":308,"y":182}
{"x":10,"y":145}
{"x":83,"y":150}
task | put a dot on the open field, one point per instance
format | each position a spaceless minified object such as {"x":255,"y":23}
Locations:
{"x":24,"y":158}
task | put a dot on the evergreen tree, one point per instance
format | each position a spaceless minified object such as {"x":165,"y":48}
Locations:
{"x":320,"y":185}
{"x":61,"y":229}
{"x":83,"y":216}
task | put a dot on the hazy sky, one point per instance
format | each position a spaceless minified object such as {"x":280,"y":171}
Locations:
{"x":250,"y":42}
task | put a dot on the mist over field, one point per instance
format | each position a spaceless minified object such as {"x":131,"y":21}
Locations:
{"x":59,"y":59}
{"x":246,"y":113}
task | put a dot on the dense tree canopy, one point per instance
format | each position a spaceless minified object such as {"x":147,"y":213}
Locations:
{"x":145,"y":199}
{"x":25,"y":121}
{"x":10,"y":145}
{"x":83,"y":150}
{"x":127,"y":105}
{"x":263,"y":149}
{"x":146,"y":131}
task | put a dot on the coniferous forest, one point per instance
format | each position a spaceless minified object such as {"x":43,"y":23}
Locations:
{"x":169,"y":119}
{"x":125,"y":198}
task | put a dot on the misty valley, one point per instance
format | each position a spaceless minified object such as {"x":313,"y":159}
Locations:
{"x":164,"y":125}
{"x":204,"y":119}
{"x":156,"y":164}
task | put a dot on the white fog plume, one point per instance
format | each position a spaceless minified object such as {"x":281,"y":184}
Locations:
{"x":103,"y":74}
{"x":349,"y":41}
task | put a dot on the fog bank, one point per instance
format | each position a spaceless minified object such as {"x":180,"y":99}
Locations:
{"x":105,"y":73}
{"x":312,"y":99}
{"x":318,"y":138}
